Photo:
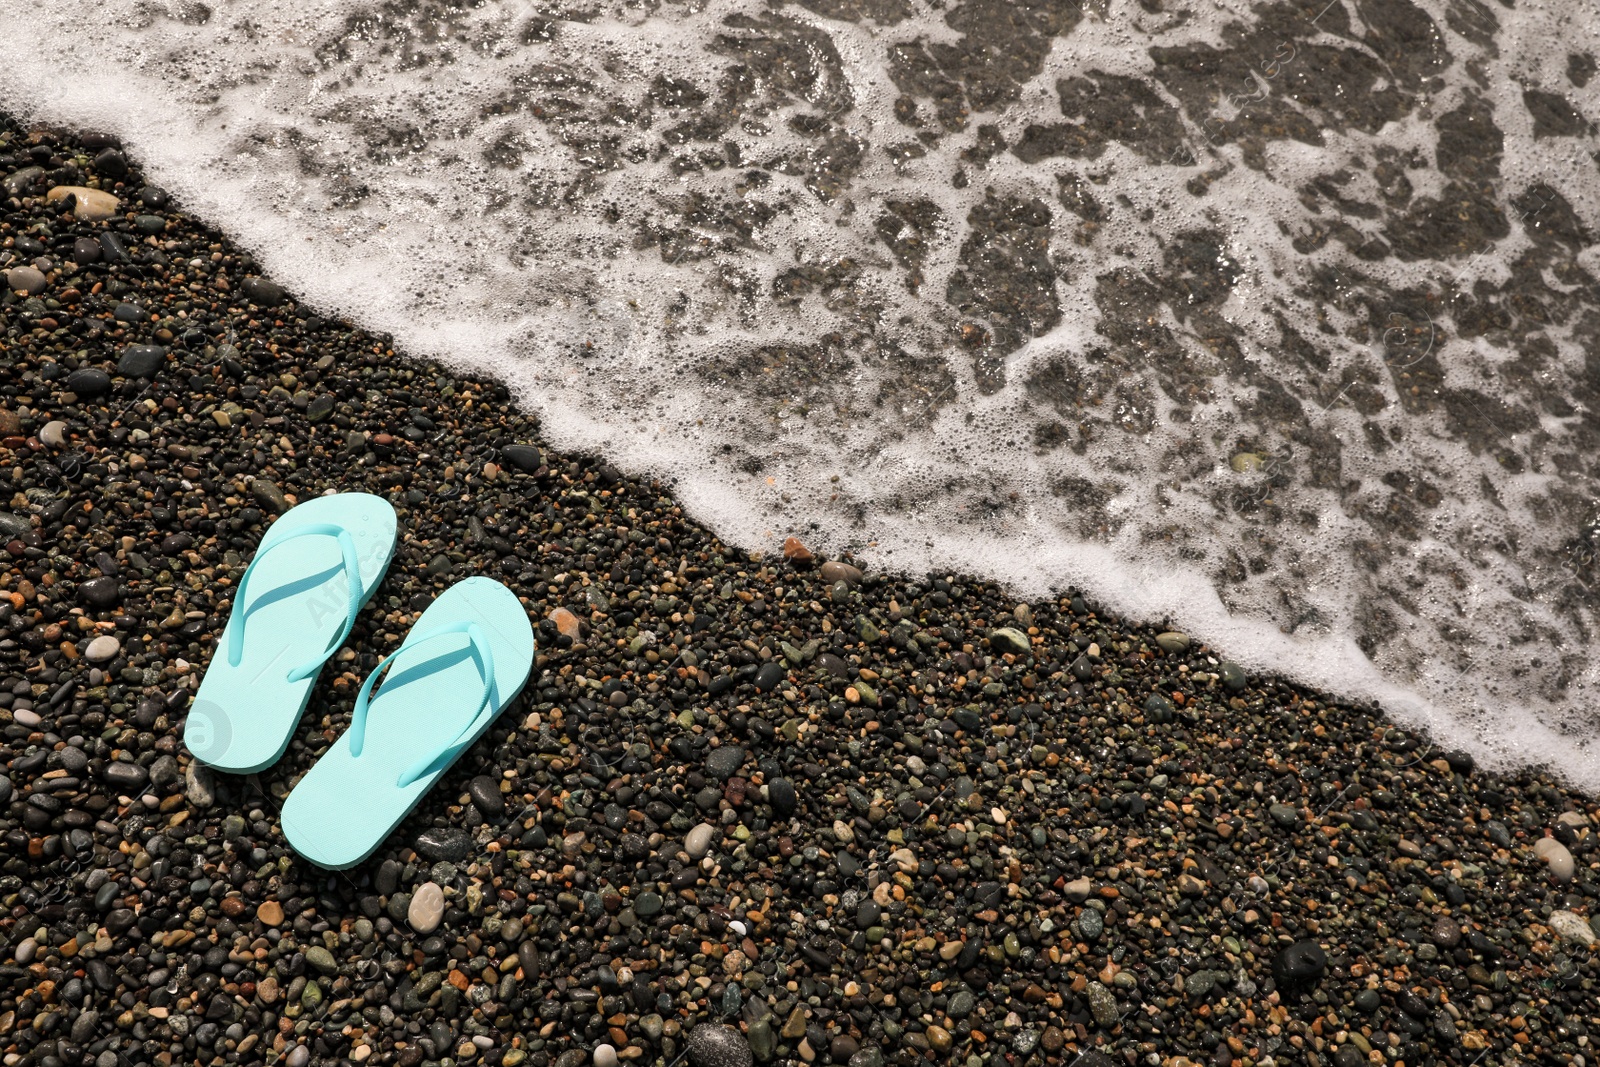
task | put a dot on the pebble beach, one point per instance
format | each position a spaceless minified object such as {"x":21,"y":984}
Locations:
{"x":776,"y":809}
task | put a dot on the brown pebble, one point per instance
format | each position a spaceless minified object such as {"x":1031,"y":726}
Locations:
{"x":795,"y":551}
{"x":270,"y":912}
{"x":566,"y":622}
{"x":834,"y":571}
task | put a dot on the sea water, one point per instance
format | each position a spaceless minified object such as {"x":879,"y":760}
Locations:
{"x":1275,"y":322}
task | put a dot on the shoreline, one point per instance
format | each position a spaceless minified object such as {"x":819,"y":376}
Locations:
{"x":951,"y":826}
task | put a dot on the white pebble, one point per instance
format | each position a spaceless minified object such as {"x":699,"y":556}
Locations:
{"x":1556,"y":857}
{"x":53,"y":434}
{"x":102,"y":649}
{"x":1573,"y":927}
{"x":427,"y":909}
{"x":697,"y":842}
{"x":26,"y":950}
{"x":739,"y":928}
{"x":605,"y":1056}
{"x":27,"y":718}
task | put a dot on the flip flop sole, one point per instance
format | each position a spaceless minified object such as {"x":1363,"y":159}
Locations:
{"x":244,"y":715}
{"x":347,"y":804}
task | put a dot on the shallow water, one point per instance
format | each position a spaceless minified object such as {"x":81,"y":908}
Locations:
{"x":1279,"y":322}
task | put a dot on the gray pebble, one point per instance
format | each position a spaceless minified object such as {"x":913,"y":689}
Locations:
{"x":713,"y":1045}
{"x":27,"y":279}
{"x":697,"y":842}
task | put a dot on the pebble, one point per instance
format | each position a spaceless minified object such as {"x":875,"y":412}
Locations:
{"x":1010,"y":639}
{"x":102,"y":592}
{"x":427,"y":908}
{"x":605,"y":1056}
{"x":697,"y":842}
{"x":834,"y":571}
{"x":1173,"y":641}
{"x":127,"y":777}
{"x":447,"y":843}
{"x":1102,"y":1005}
{"x":270,"y":912}
{"x":1300,"y":962}
{"x":141,"y":361}
{"x":486,"y":795}
{"x":724,"y":762}
{"x":1557,"y":857}
{"x":198,"y":785}
{"x":263,"y":293}
{"x":88,"y":381}
{"x":92,"y":204}
{"x":527,"y":458}
{"x":714,"y":1045}
{"x":781,"y":793}
{"x":102,"y":649}
{"x":53,"y":433}
{"x":566,"y":623}
{"x":1573,"y":927}
{"x":26,"y":279}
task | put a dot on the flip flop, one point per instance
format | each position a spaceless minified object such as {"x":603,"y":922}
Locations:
{"x":295,"y":605}
{"x":466,"y":658}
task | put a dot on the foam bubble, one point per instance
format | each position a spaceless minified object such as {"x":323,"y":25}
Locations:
{"x":818,"y":273}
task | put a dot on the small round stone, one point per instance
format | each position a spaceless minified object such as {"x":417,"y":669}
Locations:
{"x":102,"y":649}
{"x":605,"y":1056}
{"x":427,"y":908}
{"x":697,"y":842}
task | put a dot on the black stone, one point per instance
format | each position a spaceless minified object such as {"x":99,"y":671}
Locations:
{"x":141,"y":361}
{"x":724,"y":762}
{"x":780,"y":791}
{"x":111,"y":163}
{"x":523,"y":457}
{"x":768,"y":677}
{"x":444,"y":843}
{"x":87,"y":381}
{"x":1300,"y":962}
{"x":263,"y":293}
{"x":486,"y":796}
{"x":86,"y":250}
{"x":103,"y":592}
{"x":125,"y":776}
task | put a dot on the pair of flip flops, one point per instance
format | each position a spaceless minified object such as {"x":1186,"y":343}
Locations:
{"x":465,"y":659}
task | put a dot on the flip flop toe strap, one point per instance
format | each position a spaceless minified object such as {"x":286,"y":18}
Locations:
{"x":352,"y":570}
{"x":485,"y":705}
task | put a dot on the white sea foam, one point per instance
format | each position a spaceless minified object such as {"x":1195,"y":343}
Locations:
{"x":502,"y":188}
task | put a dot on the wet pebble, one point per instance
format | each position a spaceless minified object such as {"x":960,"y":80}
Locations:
{"x":26,"y":280}
{"x":1557,"y":857}
{"x":448,"y":843}
{"x":486,"y":795}
{"x":141,"y":361}
{"x":1300,"y":962}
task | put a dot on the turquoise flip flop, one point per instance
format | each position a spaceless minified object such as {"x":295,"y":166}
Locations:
{"x":466,"y":658}
{"x":295,"y":605}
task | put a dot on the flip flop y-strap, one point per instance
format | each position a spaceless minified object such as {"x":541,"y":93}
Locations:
{"x":352,"y":569}
{"x":478,"y":647}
